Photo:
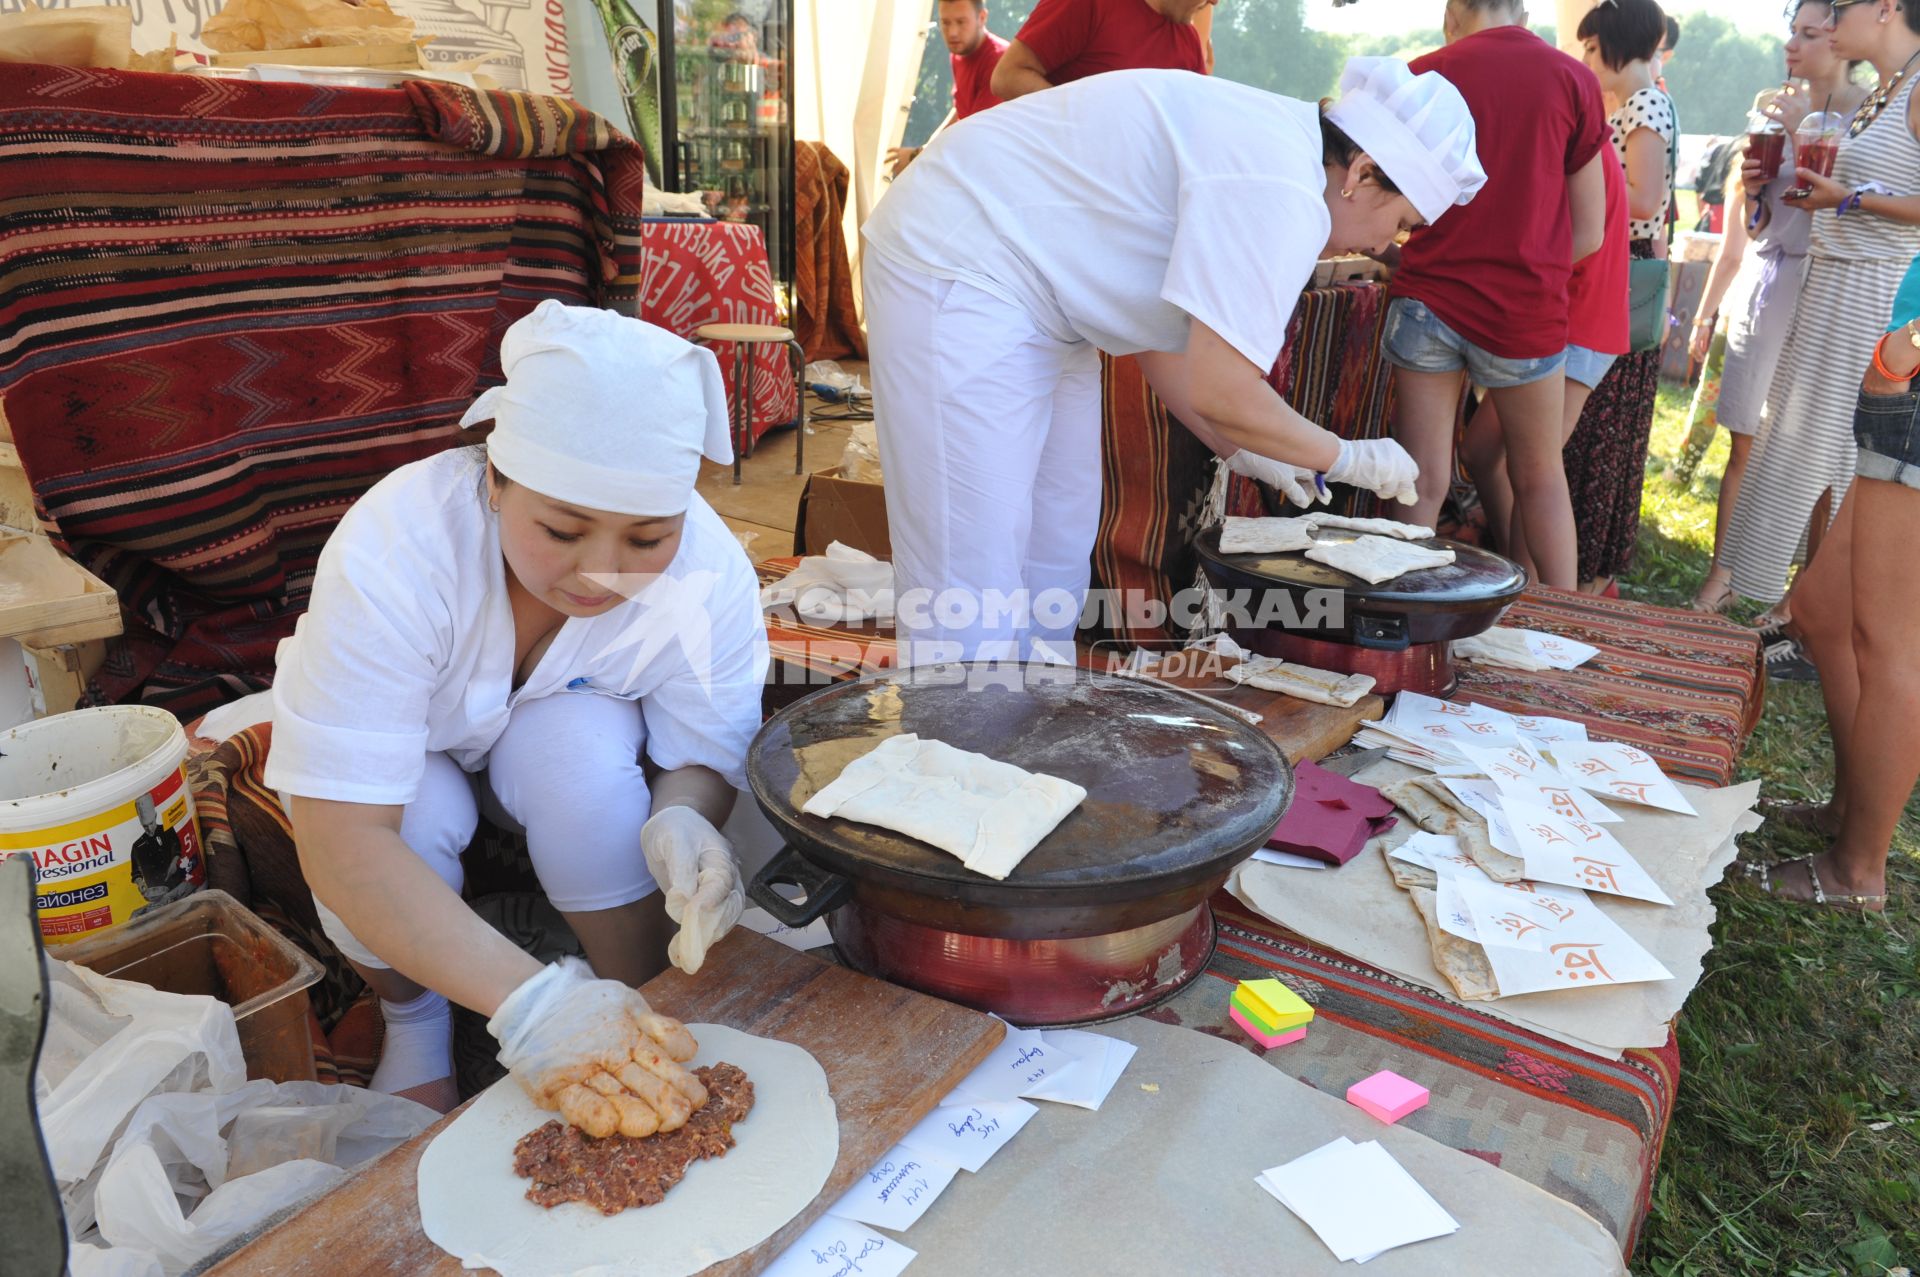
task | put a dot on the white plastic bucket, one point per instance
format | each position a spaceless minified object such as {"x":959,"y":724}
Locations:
{"x":99,"y":799}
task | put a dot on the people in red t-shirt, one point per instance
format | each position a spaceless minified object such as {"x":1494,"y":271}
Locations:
{"x":1068,"y":40}
{"x":973,"y":51}
{"x":1484,"y":292}
{"x":1597,"y":334}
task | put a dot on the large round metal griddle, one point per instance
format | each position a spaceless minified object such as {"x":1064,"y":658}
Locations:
{"x":1177,"y":791}
{"x":1457,"y":600}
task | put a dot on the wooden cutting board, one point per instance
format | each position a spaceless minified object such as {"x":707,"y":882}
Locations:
{"x":890,"y":1055}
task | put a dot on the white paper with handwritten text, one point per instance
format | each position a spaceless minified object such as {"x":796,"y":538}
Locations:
{"x":840,"y":1247}
{"x":897,"y":1190}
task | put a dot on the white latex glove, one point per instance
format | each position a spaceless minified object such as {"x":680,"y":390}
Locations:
{"x":1295,"y":484}
{"x":694,"y":865}
{"x":596,"y":1053}
{"x":1378,"y":465}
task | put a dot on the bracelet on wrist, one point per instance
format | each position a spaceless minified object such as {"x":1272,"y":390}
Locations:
{"x":1880,"y":366}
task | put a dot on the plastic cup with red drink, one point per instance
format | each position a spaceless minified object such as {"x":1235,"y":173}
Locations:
{"x":1769,"y":147}
{"x":1816,"y":144}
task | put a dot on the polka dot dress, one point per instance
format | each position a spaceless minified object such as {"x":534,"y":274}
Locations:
{"x":1646,"y":109}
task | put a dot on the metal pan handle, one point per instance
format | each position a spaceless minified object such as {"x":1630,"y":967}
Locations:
{"x":825,"y":890}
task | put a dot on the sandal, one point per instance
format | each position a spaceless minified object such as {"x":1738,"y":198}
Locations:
{"x":1809,"y":818}
{"x":1763,"y":876}
{"x":1716,"y":594}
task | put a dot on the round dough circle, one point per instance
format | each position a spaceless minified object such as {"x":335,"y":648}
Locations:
{"x":475,"y":1208}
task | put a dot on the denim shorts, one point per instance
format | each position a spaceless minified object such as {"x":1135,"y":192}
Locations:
{"x":1887,"y":428}
{"x":1587,"y":366}
{"x":1416,"y":339}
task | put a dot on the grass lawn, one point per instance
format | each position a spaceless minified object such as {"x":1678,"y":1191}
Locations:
{"x":1795,"y":1147}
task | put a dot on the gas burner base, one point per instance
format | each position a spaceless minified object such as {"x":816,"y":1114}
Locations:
{"x":1419,"y":667}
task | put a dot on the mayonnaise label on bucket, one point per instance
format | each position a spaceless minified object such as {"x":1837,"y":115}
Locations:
{"x":101,"y":869}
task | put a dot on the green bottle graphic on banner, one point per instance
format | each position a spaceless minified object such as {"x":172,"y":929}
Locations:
{"x":636,"y":65}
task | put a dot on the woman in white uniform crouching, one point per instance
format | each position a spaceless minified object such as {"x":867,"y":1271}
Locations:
{"x":545,"y":612}
{"x":1161,"y":214}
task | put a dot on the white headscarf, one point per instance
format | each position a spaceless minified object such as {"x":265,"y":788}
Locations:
{"x":604,"y":411}
{"x":1417,"y":128}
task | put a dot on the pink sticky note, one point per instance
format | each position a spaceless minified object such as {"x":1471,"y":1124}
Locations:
{"x":1265,"y":1039}
{"x":1387,"y":1095}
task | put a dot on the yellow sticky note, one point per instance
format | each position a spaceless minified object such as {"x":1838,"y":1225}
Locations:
{"x":1275,"y":1003}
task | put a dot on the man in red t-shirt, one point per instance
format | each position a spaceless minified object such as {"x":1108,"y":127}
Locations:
{"x":973,"y":51}
{"x":1071,"y":39}
{"x":1483,"y":293}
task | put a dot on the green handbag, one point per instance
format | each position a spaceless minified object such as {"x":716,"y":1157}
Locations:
{"x":1646,"y":304}
{"x":1647,"y":278}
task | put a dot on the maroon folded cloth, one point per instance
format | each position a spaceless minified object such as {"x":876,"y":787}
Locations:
{"x":1331,"y":817}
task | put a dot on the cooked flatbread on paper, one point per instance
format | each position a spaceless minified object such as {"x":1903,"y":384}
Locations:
{"x":1462,"y":962}
{"x":988,"y":813}
{"x":1304,"y":682}
{"x":1265,"y":536}
{"x":1377,"y":559}
{"x":1430,"y":805}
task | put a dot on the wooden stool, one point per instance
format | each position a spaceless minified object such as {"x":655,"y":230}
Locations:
{"x":744,"y":338}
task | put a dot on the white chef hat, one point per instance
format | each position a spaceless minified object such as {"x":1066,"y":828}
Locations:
{"x":604,"y":411}
{"x":1415,"y":127}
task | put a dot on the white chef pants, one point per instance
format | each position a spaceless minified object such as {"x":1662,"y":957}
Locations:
{"x":989,"y":435}
{"x":567,"y":768}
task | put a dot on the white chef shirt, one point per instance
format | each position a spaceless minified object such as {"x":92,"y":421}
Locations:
{"x":1113,"y":208}
{"x":407,"y":646}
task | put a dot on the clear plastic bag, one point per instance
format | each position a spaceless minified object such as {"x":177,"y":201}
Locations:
{"x":163,"y":1150}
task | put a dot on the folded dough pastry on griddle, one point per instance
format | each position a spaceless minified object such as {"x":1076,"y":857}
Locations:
{"x":1377,"y":527}
{"x":988,"y":813}
{"x":1323,"y":687}
{"x":1376,"y":559}
{"x":1265,"y":536}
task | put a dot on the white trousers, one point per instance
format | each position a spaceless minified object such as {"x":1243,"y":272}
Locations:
{"x":989,"y":435}
{"x":567,"y":769}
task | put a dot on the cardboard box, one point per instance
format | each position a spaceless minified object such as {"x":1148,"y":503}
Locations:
{"x":844,"y":510}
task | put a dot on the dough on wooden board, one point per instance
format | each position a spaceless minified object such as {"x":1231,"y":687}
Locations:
{"x":475,"y":1208}
{"x":1303,"y":682}
{"x":988,"y":813}
{"x":1377,"y":559}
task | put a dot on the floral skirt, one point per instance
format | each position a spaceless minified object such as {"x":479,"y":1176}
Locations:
{"x":1606,"y":458}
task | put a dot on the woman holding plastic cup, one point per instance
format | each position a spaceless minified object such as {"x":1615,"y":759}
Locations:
{"x":1865,"y":233}
{"x":1756,"y":280}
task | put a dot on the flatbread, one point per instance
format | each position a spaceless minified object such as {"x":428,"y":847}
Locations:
{"x":1304,"y":682}
{"x":475,"y":1208}
{"x":1265,"y":536}
{"x":1406,"y":874}
{"x":1499,"y":646}
{"x":1433,"y":807}
{"x":988,"y":813}
{"x":1376,"y":527}
{"x":1462,"y":962}
{"x":1376,"y":559}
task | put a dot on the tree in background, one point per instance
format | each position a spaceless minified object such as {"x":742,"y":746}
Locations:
{"x":1717,"y":70}
{"x":1267,"y":44}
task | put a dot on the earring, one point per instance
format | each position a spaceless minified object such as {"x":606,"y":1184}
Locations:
{"x":1347,"y":194}
{"x":494,"y":506}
